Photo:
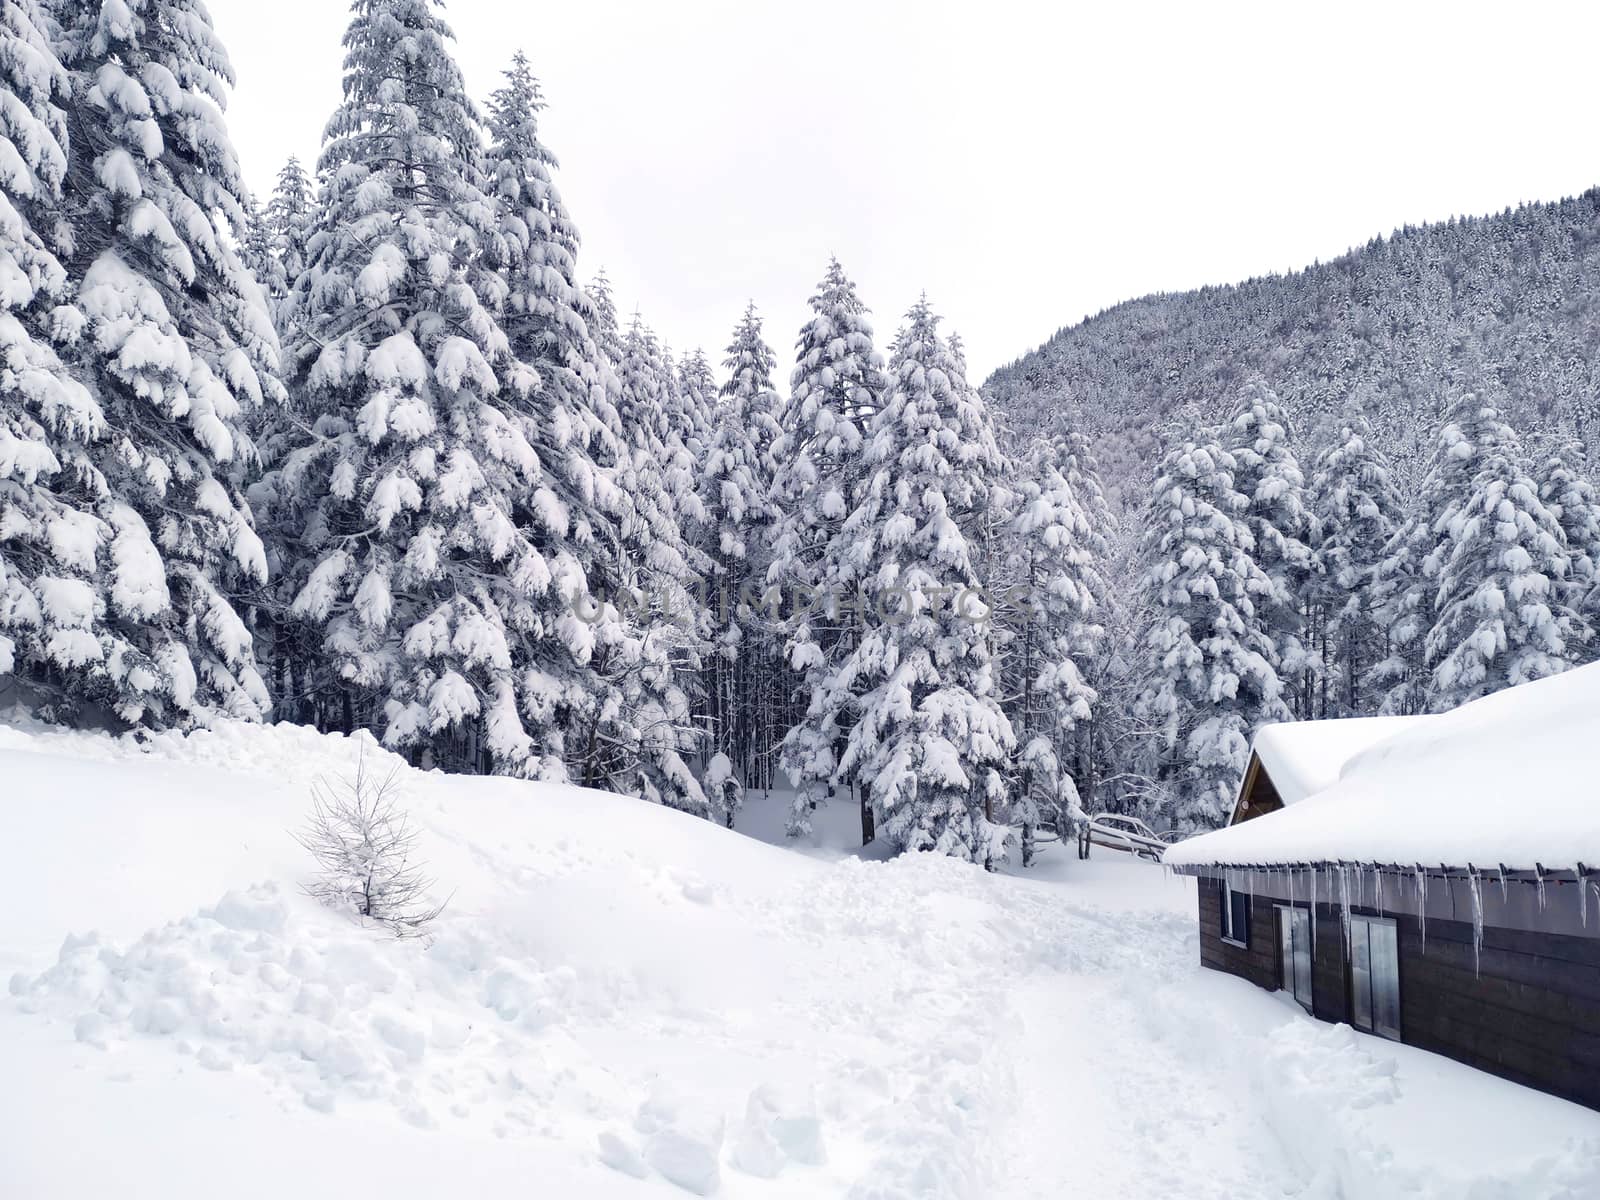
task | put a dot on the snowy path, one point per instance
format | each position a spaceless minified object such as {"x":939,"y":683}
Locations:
{"x":623,"y":1002}
{"x":1112,"y":1113}
{"x":1118,"y":1096}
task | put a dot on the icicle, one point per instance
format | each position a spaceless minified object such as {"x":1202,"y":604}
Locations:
{"x":1344,"y":906}
{"x":1312,"y":891}
{"x":1538,"y":873}
{"x":1503,"y":897}
{"x":1377,"y":888}
{"x":1583,"y":898}
{"x":1474,"y":883}
{"x":1421,"y":878}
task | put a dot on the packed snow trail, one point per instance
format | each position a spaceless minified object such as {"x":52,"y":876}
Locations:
{"x":623,"y":1001}
{"x":1116,"y":1109}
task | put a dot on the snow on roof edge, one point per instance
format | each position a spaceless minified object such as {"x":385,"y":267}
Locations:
{"x":1303,"y":758}
{"x":1512,"y":778}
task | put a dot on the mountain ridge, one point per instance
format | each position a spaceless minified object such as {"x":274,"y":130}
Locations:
{"x":1506,"y":304}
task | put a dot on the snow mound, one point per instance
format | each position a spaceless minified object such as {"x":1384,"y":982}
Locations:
{"x":780,"y":1126}
{"x":1336,"y":1102}
{"x":329,"y":1011}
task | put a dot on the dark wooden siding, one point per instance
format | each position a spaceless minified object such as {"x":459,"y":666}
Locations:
{"x":1257,"y":962}
{"x":1330,"y":986}
{"x":1528,"y":1009}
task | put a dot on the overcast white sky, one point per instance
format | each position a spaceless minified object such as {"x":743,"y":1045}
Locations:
{"x":1026,"y":163}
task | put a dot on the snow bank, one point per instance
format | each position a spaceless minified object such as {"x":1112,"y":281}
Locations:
{"x":1363,"y":1117}
{"x":1509,"y":779}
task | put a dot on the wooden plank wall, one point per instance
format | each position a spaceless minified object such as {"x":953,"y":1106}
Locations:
{"x":1330,"y":986}
{"x":1529,"y":1011}
{"x":1259,"y":961}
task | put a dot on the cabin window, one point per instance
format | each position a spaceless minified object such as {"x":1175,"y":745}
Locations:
{"x":1294,"y":953}
{"x":1375,"y":976}
{"x":1235,"y":916}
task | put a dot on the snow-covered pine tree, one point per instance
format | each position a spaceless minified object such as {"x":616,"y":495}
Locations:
{"x":1051,"y":565}
{"x":1564,"y":485}
{"x":125,"y":535}
{"x":638,"y":742}
{"x":257,"y":250}
{"x":51,"y":538}
{"x":1267,"y":473}
{"x":290,"y":216}
{"x":697,"y":401}
{"x":1099,"y":656}
{"x":603,"y":324}
{"x":636,"y":738}
{"x":1404,"y":599}
{"x":659,"y":479}
{"x":1082,"y":473}
{"x":1113,"y":771}
{"x":1211,"y":681}
{"x":684,"y":456}
{"x":836,"y":388}
{"x":750,"y":364}
{"x":1501,"y":568}
{"x":594,"y":422}
{"x":1405,"y":582}
{"x":930,"y":740}
{"x":573,"y":512}
{"x":1357,"y":509}
{"x":548,"y":316}
{"x":397,"y":515}
{"x":733,"y":534}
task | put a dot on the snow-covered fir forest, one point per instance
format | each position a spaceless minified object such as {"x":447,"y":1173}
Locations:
{"x":381,"y":451}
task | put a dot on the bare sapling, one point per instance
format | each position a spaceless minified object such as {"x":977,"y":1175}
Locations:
{"x":366,"y":852}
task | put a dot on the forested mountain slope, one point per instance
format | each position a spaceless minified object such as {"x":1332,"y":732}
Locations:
{"x":1505,"y":305}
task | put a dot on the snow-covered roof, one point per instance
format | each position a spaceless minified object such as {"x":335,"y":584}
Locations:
{"x":1306,"y":757}
{"x":1512,"y":779}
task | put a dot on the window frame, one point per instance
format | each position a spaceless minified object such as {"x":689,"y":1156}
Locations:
{"x":1230,"y":935}
{"x":1287,"y":916}
{"x":1361,"y":925}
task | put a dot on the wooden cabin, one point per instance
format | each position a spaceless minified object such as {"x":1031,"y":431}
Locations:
{"x":1434,"y":880}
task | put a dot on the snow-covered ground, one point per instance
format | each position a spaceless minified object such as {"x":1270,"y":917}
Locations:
{"x":622,"y":1001}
